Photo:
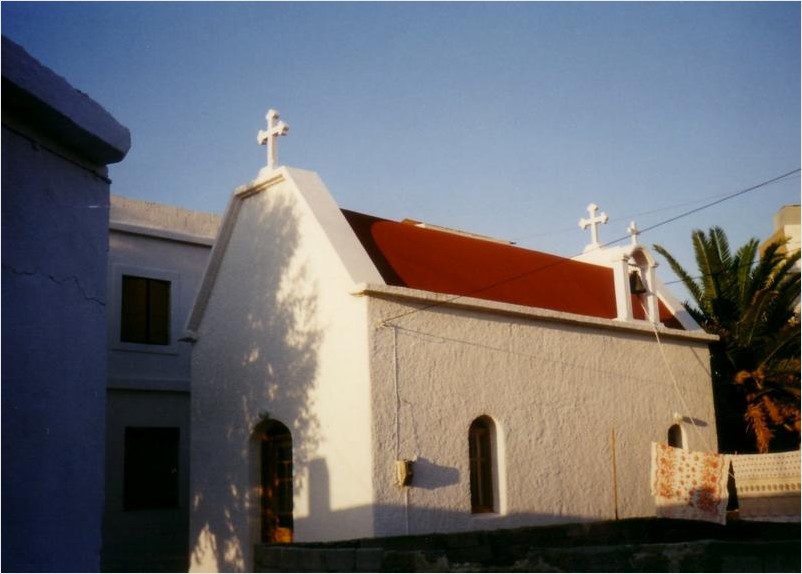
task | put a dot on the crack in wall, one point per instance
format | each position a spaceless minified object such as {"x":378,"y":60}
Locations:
{"x":58,"y":281}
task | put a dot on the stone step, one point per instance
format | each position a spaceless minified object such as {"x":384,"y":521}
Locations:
{"x":636,"y":545}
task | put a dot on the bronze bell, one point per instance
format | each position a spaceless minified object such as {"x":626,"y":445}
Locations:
{"x":636,"y":286}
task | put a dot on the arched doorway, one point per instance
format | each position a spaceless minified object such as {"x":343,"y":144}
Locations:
{"x":276,"y":483}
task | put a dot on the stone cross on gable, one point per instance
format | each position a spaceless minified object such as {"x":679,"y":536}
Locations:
{"x":269,"y":136}
{"x":633,"y":233}
{"x":593,"y":222}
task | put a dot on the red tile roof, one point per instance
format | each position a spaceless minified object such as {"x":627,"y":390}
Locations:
{"x":410,"y":256}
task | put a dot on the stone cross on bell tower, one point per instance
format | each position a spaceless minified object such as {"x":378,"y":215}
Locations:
{"x":269,"y":136}
{"x":593,"y":222}
{"x":633,"y":233}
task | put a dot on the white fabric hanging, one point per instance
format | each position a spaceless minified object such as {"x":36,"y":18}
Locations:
{"x":689,"y":485}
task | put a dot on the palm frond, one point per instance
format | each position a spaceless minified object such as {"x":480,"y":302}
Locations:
{"x":690,"y":284}
{"x":718,"y":239}
{"x":756,"y":422}
{"x":749,"y":301}
{"x":742,"y":265}
{"x":782,"y":345}
{"x":764,"y":271}
{"x":707,"y":258}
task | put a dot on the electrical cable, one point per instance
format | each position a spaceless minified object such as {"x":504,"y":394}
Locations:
{"x":727,"y":197}
{"x":588,"y":369}
{"x":625,"y":217}
{"x":676,"y":387}
{"x":722,"y":200}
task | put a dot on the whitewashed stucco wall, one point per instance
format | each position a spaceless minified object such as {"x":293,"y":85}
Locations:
{"x":556,"y":390}
{"x":280,"y":335}
{"x":57,"y":142}
{"x":182,"y":263}
{"x":148,"y":385}
{"x":54,"y":364}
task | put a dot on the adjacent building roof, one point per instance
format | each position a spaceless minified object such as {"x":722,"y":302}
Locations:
{"x":408,"y":255}
{"x":166,"y":221}
{"x":37,"y":96}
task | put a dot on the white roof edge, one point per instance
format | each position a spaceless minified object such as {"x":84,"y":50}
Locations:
{"x":161,"y":233}
{"x":432,"y":300}
{"x":213,"y":266}
{"x":676,"y":307}
{"x":60,"y":108}
{"x":310,"y":189}
{"x":355,"y":259}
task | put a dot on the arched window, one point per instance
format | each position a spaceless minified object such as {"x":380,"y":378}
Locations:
{"x":276,"y":483}
{"x":480,"y":445}
{"x":675,"y":436}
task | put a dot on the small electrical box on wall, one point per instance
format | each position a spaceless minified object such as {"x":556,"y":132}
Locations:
{"x":403,"y":472}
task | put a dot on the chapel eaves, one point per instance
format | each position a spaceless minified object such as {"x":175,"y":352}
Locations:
{"x":432,"y":301}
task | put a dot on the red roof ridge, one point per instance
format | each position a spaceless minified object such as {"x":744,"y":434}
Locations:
{"x":439,"y":260}
{"x":472,"y":235}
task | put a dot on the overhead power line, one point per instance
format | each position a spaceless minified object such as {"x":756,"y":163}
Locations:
{"x":563,"y":260}
{"x":718,"y":196}
{"x":723,"y":199}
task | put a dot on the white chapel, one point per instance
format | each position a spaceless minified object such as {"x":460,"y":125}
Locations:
{"x":356,"y":377}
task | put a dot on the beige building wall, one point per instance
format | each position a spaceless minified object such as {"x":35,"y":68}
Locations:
{"x":786,"y":228}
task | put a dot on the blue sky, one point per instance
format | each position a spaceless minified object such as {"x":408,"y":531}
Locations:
{"x":505,"y":119}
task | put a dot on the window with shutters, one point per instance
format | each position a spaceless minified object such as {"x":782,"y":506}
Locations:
{"x":145,"y":311}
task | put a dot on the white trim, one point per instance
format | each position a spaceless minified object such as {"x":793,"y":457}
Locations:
{"x":438,"y":300}
{"x":218,"y":251}
{"x":168,"y":234}
{"x":675,"y":306}
{"x":115,"y":308}
{"x":144,"y":384}
{"x":623,"y":298}
{"x":499,"y":454}
{"x":76,"y":118}
{"x":683,"y":435}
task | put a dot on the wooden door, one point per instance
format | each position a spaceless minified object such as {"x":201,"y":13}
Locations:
{"x":276,"y":458}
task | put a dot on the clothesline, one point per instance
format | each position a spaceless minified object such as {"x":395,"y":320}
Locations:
{"x":693,"y":485}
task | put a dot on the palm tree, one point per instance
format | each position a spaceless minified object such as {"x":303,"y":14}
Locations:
{"x":749,"y":302}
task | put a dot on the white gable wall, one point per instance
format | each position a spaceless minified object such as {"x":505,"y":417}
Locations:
{"x":280,"y":336}
{"x":557,"y":386}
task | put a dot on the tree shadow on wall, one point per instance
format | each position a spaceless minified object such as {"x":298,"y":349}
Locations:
{"x":260,"y":338}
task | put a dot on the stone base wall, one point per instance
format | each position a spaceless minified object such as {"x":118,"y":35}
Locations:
{"x":638,"y":545}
